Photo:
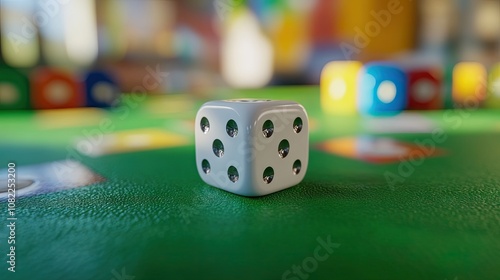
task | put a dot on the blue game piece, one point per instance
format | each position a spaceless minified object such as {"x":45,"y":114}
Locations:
{"x":101,"y":89}
{"x":382,"y":89}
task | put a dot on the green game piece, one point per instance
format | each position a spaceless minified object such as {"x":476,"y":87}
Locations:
{"x":14,"y":89}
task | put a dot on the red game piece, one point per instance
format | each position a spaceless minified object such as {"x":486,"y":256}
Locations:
{"x":52,"y":89}
{"x":424,"y":89}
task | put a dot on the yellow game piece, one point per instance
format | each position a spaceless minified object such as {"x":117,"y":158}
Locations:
{"x":493,"y":98}
{"x":469,"y":84}
{"x":339,"y":87}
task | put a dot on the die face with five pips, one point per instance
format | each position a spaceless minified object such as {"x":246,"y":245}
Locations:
{"x":252,"y":147}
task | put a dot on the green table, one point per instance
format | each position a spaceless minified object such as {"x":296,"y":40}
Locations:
{"x":153,"y":217}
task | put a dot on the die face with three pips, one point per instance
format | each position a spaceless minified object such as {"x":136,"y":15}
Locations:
{"x":252,"y":147}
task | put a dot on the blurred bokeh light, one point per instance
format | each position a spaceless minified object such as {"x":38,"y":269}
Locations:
{"x":238,"y":43}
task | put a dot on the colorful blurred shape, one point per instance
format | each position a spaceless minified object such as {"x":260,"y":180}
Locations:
{"x":382,"y":89}
{"x":469,"y":84}
{"x":50,"y":21}
{"x":339,"y":87}
{"x":14,"y":89}
{"x":247,"y":55}
{"x":290,"y":39}
{"x":487,"y":21}
{"x":101,"y":89}
{"x":424,"y":89}
{"x":19,"y":34}
{"x":54,"y":89}
{"x":322,"y":26}
{"x":376,"y":28}
{"x":80,"y":31}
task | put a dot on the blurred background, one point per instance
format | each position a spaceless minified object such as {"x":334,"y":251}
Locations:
{"x":204,"y":45}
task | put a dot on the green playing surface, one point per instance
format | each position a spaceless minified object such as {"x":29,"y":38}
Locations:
{"x":154,"y":218}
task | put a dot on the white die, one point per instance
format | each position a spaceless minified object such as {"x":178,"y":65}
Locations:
{"x":252,"y":147}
